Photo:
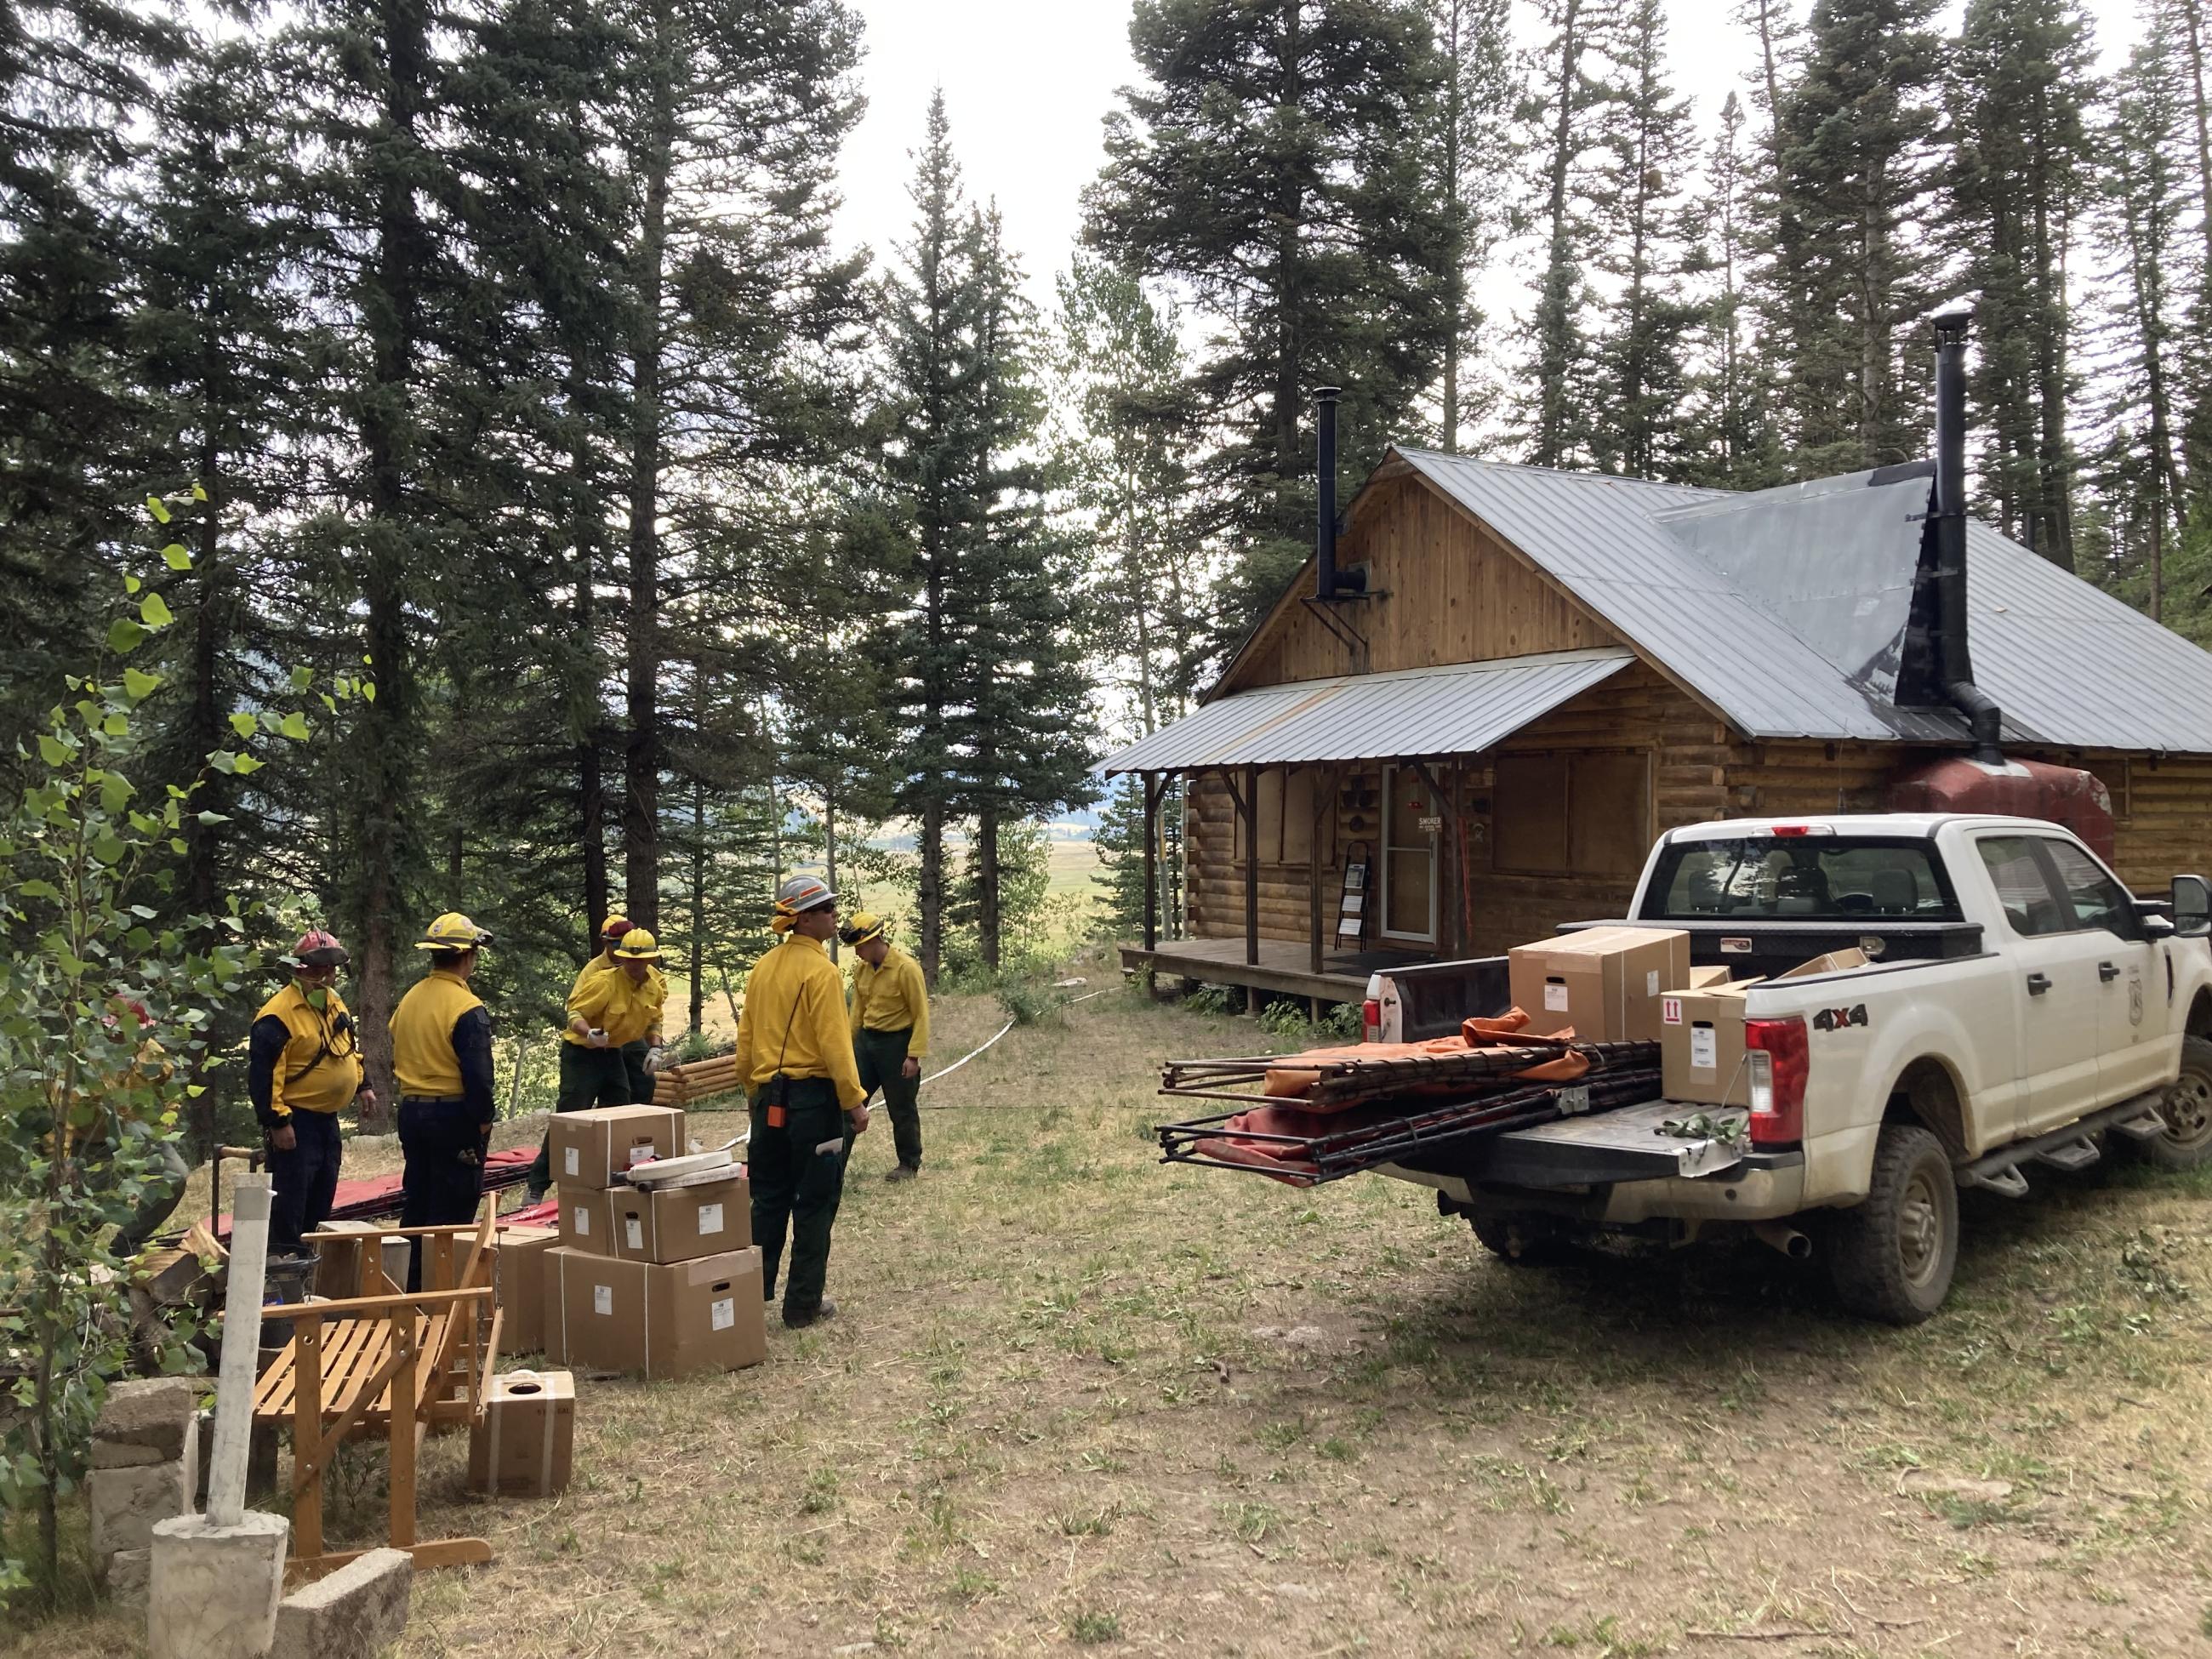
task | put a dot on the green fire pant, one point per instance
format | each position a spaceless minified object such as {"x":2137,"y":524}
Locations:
{"x":881,"y":1056}
{"x":797,"y":1175}
{"x":589,"y":1077}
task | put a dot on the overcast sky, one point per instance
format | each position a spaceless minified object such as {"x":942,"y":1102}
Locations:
{"x":1027,"y":81}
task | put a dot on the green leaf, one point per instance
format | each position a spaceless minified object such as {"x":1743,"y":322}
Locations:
{"x":222,"y":760}
{"x":368,"y":690}
{"x":139,"y":687}
{"x":175,"y":557}
{"x":199,"y":494}
{"x":115,"y":792}
{"x":244,"y":725}
{"x":155,"y":611}
{"x":158,"y":509}
{"x":116,"y":726}
{"x":142,"y":912}
{"x":108,"y":849}
{"x":302,"y":677}
{"x":54,"y":750}
{"x":213,"y":819}
{"x":330,"y":703}
{"x":124,"y":636}
{"x":132,"y":584}
{"x":144,"y":822}
{"x":296,"y":727}
{"x":246,"y":764}
{"x":177,"y":846}
{"x":36,"y":889}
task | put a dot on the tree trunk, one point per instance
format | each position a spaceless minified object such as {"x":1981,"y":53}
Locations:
{"x":987,"y":884}
{"x":1455,"y":229}
{"x":830,"y":851}
{"x":590,"y":781}
{"x":929,"y":889}
{"x":641,"y":754}
{"x":1555,"y":301}
{"x":698,"y":928}
{"x":2193,"y":26}
{"x":1289,"y":209}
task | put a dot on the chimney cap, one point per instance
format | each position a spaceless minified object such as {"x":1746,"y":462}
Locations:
{"x":1327,"y":394}
{"x":1953,"y":316}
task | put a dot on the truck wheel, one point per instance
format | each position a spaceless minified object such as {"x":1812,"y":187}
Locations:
{"x":2187,"y":1110}
{"x":1519,"y":1241}
{"x":1891,"y":1258}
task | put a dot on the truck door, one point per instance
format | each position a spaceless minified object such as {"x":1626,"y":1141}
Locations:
{"x":2056,"y":993}
{"x":2135,"y":1049}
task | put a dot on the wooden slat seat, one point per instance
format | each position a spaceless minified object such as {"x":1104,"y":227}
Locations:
{"x":389,"y":1364}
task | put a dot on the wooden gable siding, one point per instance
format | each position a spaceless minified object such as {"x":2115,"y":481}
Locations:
{"x":1450,"y":592}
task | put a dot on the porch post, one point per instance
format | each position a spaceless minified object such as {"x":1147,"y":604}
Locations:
{"x":1152,"y":861}
{"x":1324,"y":805}
{"x":1250,"y":804}
{"x":1448,"y":874}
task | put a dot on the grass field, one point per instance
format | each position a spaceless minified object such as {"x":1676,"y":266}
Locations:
{"x":1075,"y":1399}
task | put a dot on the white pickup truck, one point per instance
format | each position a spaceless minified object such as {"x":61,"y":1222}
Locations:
{"x":2022,"y":1007}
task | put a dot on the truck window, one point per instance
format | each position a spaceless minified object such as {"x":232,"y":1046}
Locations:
{"x":1811,"y":879}
{"x":2024,"y":889}
{"x":2095,"y":899}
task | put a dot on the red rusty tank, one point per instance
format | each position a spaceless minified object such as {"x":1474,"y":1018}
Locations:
{"x":2066,"y":795}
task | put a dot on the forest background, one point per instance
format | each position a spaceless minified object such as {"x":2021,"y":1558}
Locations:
{"x":675,"y":545}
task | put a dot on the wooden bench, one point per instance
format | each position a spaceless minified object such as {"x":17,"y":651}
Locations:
{"x":388,"y":1363}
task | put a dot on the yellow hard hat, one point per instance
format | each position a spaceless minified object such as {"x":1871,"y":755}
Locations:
{"x":612,"y":929}
{"x":638,"y":946}
{"x":864,"y":925}
{"x":452,"y":931}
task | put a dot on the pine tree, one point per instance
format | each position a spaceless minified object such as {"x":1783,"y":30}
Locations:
{"x":1647,"y":248}
{"x":1473,"y":151}
{"x":1269,"y":162}
{"x":1551,"y":414}
{"x":1126,"y":444}
{"x":2023,"y":79}
{"x":1734,"y":436}
{"x":1855,"y":139}
{"x":933,"y":469}
{"x":1023,"y":735}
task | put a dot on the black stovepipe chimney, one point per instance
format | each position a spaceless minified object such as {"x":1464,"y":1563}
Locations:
{"x":1325,"y":491}
{"x":1954,"y":662}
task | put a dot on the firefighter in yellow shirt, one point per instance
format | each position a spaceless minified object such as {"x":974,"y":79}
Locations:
{"x":795,"y":1056}
{"x":302,"y":1068}
{"x":609,"y":1011}
{"x":441,"y":1055}
{"x":891,"y":1032}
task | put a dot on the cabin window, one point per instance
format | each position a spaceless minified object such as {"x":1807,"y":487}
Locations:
{"x":1285,"y":813}
{"x":1583,"y":812}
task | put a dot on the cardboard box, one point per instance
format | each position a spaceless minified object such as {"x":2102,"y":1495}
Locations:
{"x":1605,"y":982}
{"x":681,"y":1224}
{"x":587,"y":1220}
{"x":525,"y":1441}
{"x":1703,"y":978}
{"x":590,"y":1150}
{"x":518,"y":1279}
{"x":1701,"y":1045}
{"x":1836,"y":961}
{"x":661,"y":1321}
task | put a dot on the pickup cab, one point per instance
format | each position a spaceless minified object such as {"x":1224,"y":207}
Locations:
{"x":2019,"y":1008}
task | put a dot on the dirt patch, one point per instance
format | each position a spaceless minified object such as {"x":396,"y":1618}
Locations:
{"x":1077,"y":1399}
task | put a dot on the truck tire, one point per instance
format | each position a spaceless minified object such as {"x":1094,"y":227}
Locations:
{"x":1520,"y":1241}
{"x":1891,"y":1258}
{"x":2187,"y":1109}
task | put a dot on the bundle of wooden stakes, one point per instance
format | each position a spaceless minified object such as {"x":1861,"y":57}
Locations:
{"x":683,"y":1085}
{"x":1341,"y":1079}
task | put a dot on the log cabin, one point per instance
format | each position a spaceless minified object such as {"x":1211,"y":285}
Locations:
{"x":1493,"y":686}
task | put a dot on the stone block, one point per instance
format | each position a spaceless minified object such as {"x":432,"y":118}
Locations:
{"x":125,"y":1575}
{"x":144,"y":1421}
{"x":355,"y":1612}
{"x":126,"y":1503}
{"x":213,"y":1591}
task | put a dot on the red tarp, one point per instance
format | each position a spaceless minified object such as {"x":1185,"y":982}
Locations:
{"x":370,"y":1201}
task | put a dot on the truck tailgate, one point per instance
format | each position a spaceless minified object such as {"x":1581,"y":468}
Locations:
{"x":1628,"y":1143}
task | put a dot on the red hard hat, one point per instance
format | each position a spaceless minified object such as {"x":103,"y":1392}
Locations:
{"x":615,"y":926}
{"x":318,"y":949}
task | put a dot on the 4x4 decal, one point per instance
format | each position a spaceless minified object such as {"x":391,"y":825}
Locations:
{"x":1837,"y":1019}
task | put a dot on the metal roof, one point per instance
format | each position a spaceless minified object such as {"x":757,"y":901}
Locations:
{"x":1459,"y":709}
{"x":1737,"y":597}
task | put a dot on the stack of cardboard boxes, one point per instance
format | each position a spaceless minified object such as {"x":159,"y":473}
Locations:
{"x":664,"y":1282}
{"x":1636,"y":984}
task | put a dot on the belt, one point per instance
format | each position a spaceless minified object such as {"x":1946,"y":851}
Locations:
{"x":432,"y":1100}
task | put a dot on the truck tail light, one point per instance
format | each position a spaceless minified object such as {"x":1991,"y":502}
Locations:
{"x":1776,"y":1057}
{"x":1371,"y":1018}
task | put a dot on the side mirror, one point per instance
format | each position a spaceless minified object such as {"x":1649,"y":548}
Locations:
{"x":2192,"y":907}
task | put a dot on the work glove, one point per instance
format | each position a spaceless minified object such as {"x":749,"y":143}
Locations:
{"x":655,"y":1059}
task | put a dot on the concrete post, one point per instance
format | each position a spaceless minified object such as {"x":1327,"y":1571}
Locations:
{"x":241,"y":1349}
